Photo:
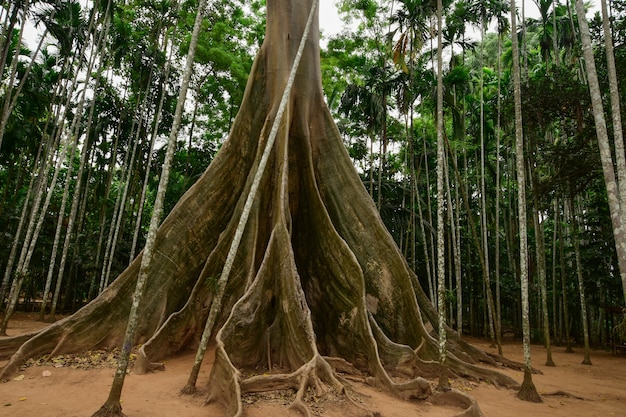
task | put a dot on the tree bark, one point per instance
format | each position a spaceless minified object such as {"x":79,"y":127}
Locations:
{"x":612,"y":190}
{"x":528,"y":392}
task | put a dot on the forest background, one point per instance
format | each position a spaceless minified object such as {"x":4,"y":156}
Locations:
{"x":87,"y":108}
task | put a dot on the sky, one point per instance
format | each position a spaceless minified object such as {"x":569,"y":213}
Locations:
{"x":331,"y":24}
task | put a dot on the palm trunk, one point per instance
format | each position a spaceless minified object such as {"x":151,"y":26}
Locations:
{"x":112,"y":406}
{"x":28,"y":247}
{"x":541,"y":267}
{"x":581,"y":284}
{"x":613,"y":193}
{"x":441,"y":198}
{"x":13,"y":74}
{"x":527,"y":392}
{"x":33,"y":185}
{"x":566,"y":319}
{"x":497,"y":215}
{"x":617,"y":128}
{"x":555,"y":309}
{"x":155,"y":130}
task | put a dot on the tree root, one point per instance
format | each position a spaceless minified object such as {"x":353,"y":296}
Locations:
{"x":143,"y":365}
{"x":318,"y":378}
{"x":528,"y":391}
{"x":113,"y":409}
{"x":561,"y":393}
{"x":458,"y":399}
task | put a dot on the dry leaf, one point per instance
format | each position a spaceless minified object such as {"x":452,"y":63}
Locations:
{"x":19,"y":378}
{"x":46,"y":373}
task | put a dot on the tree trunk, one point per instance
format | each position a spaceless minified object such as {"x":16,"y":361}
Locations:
{"x":612,"y":190}
{"x":581,"y":284}
{"x":317,"y":280}
{"x":618,"y":137}
{"x":528,"y":392}
{"x":444,"y":384}
{"x":541,"y":269}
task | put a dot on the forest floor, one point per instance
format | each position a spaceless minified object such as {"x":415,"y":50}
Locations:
{"x":75,"y":386}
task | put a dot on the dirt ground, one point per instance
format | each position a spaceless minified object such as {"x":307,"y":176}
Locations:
{"x":53,"y":391}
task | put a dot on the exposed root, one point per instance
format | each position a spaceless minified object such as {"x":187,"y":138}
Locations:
{"x":402,"y":359}
{"x":143,"y":365}
{"x":189,"y":389}
{"x":528,"y":391}
{"x":508,"y":363}
{"x":110,"y":409}
{"x":561,"y":393}
{"x":456,"y":398}
{"x":315,"y":377}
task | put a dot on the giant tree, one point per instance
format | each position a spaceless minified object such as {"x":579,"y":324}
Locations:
{"x":317,"y":280}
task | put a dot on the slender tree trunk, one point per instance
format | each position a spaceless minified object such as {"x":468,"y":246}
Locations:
{"x":155,"y":130}
{"x":612,"y":190}
{"x":78,"y":188}
{"x":478,"y":244}
{"x":497,"y":215}
{"x":120,"y":201}
{"x":11,"y":97}
{"x":30,"y":241}
{"x":566,"y":319}
{"x":457,"y":264}
{"x":112,"y":406}
{"x":9,"y":26}
{"x":581,"y":284}
{"x":555,"y":44}
{"x":555,"y":309}
{"x":455,"y":251}
{"x":541,"y":269}
{"x":12,"y":73}
{"x":528,"y":392}
{"x":441,"y":201}
{"x":484,"y":218}
{"x":618,"y":137}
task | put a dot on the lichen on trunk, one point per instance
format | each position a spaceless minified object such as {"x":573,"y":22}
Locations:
{"x":317,"y":286}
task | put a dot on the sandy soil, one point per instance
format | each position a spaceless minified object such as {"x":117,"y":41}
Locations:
{"x":49,"y":391}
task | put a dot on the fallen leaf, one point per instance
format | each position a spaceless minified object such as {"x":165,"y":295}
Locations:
{"x":23,"y":399}
{"x":19,"y":378}
{"x":46,"y":373}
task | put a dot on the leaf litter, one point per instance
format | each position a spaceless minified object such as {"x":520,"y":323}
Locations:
{"x":90,"y":359}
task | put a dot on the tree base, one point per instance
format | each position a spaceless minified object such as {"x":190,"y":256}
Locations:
{"x":528,"y":391}
{"x":110,"y":410}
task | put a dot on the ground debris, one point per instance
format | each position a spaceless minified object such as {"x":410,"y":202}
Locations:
{"x":90,"y":359}
{"x":463,"y":384}
{"x":317,"y":404}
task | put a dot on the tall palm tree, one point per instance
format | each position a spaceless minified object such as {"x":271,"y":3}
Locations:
{"x":112,"y":407}
{"x":612,"y":189}
{"x":617,"y":121}
{"x":441,"y":198}
{"x":527,"y":392}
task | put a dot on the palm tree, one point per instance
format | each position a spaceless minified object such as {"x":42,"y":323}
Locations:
{"x":617,"y":122}
{"x":441,"y":198}
{"x":112,"y":406}
{"x":527,"y":392}
{"x":612,"y":189}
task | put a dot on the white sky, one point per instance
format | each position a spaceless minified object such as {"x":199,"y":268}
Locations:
{"x":331,"y":24}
